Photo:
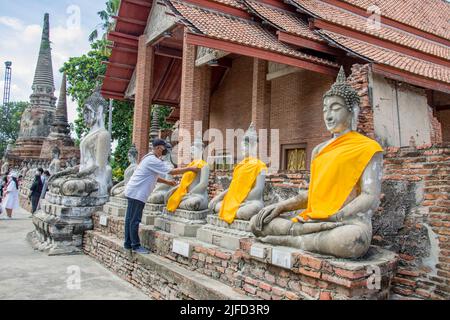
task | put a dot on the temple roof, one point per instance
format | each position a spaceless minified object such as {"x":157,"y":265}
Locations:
{"x":43,"y":75}
{"x":411,"y":43}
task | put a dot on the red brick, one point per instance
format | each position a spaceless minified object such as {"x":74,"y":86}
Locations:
{"x":309,"y":273}
{"x":311,"y":262}
{"x":292,"y":296}
{"x":249,"y":289}
{"x":324,"y":295}
{"x":265,"y":286}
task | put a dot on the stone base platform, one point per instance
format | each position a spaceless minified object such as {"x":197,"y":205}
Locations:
{"x":151,"y":212}
{"x":116,"y":206}
{"x":24,"y":202}
{"x":59,"y":229}
{"x":181,"y":222}
{"x":254,"y":269}
{"x":222,"y":234}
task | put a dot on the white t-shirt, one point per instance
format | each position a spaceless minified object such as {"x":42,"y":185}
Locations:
{"x":145,"y":176}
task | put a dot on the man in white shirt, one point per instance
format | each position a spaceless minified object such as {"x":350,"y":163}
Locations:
{"x":139,"y":187}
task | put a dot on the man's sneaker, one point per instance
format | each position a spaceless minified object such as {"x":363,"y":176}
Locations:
{"x":141,"y":250}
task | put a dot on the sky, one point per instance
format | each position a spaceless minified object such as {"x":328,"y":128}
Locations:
{"x":71,"y":22}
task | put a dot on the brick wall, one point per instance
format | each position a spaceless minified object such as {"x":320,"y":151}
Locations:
{"x":414,"y":219}
{"x":231,"y":103}
{"x":444,"y":119}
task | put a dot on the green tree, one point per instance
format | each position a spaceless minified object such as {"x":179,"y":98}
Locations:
{"x":10,"y":122}
{"x":107,"y":22}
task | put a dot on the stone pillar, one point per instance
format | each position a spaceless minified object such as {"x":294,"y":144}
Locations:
{"x":195,"y":95}
{"x":143,"y":98}
{"x":261,"y":103}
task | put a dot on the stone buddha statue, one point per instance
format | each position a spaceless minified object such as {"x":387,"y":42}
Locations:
{"x":118,"y":189}
{"x":344,"y":188}
{"x":5,"y":166}
{"x":192,"y":192}
{"x":161,"y":189}
{"x":244,"y":198}
{"x":24,"y":169}
{"x":55,"y":164}
{"x":90,"y":178}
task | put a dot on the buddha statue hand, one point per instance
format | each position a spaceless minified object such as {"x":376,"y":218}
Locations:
{"x":169,"y":193}
{"x":87,"y":172}
{"x":214,"y":201}
{"x":266,"y":215}
{"x":313,"y":226}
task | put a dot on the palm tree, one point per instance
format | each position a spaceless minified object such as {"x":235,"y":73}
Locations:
{"x":107,"y":24}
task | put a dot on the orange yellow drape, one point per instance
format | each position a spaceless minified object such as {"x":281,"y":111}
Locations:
{"x":186,"y":180}
{"x":334,"y":173}
{"x":244,"y":177}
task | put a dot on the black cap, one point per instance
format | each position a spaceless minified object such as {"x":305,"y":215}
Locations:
{"x":160,"y":142}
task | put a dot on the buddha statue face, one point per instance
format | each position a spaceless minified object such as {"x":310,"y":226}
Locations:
{"x":89,"y":115}
{"x":132,"y":154}
{"x":197,"y":149}
{"x":249,"y":145}
{"x":55,"y":153}
{"x":336,"y":115}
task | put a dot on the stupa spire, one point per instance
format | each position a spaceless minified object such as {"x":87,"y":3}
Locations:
{"x":43,"y":82}
{"x":60,"y":124}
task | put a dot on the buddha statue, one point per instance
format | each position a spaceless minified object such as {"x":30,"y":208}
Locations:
{"x":55,"y":164}
{"x":244,"y":198}
{"x":344,"y":188}
{"x":161,"y":189}
{"x":24,"y":169}
{"x":5,"y":166}
{"x":192,"y":192}
{"x":119,"y":188}
{"x":90,"y":178}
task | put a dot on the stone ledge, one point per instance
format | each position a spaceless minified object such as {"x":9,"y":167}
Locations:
{"x":190,"y":283}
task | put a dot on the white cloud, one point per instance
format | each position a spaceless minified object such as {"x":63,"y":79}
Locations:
{"x":20,"y":44}
{"x":11,"y":22}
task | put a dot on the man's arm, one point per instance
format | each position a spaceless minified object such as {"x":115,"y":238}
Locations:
{"x":168,"y":182}
{"x":183,"y":170}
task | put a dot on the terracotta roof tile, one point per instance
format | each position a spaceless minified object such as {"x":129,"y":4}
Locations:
{"x":231,"y":3}
{"x":427,"y":15}
{"x":391,"y":58}
{"x":283,"y":20}
{"x":233,"y":29}
{"x":345,"y":18}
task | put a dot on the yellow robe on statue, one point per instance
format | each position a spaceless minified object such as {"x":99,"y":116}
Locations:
{"x":334,"y":173}
{"x":186,"y":180}
{"x":244,"y":178}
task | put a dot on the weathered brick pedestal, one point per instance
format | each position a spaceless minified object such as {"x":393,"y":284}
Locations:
{"x":151,"y":212}
{"x":61,"y":222}
{"x":181,"y":222}
{"x":222,"y":234}
{"x":253,"y":270}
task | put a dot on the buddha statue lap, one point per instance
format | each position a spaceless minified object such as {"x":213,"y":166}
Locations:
{"x":244,"y":198}
{"x":92,"y":176}
{"x":119,"y":189}
{"x":344,"y":190}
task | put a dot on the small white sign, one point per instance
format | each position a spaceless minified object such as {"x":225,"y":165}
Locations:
{"x":181,"y":247}
{"x":103,"y":220}
{"x":282,"y":258}
{"x":257,"y":251}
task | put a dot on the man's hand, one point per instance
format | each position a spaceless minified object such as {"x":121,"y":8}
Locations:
{"x":171,"y":183}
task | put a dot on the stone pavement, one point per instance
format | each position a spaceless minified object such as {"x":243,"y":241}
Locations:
{"x":29,"y":274}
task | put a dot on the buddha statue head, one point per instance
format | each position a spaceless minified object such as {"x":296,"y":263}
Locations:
{"x":132,"y":154}
{"x":197,"y":147}
{"x":55,"y":153}
{"x":341,"y":106}
{"x":93,"y":110}
{"x":249,"y":145}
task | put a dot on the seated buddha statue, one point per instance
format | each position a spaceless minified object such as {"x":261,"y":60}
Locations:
{"x":90,"y":177}
{"x":244,"y":198}
{"x":161,"y":189}
{"x":119,"y":189}
{"x":192,"y":192}
{"x":344,"y":189}
{"x":55,"y":164}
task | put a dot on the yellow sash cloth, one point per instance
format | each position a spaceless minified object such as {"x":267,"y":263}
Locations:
{"x":334,"y":173}
{"x":186,"y":180}
{"x":244,"y":177}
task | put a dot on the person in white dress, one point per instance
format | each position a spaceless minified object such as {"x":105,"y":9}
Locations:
{"x":11,"y":196}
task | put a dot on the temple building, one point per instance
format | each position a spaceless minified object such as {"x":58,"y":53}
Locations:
{"x":229,"y":63}
{"x":43,"y":123}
